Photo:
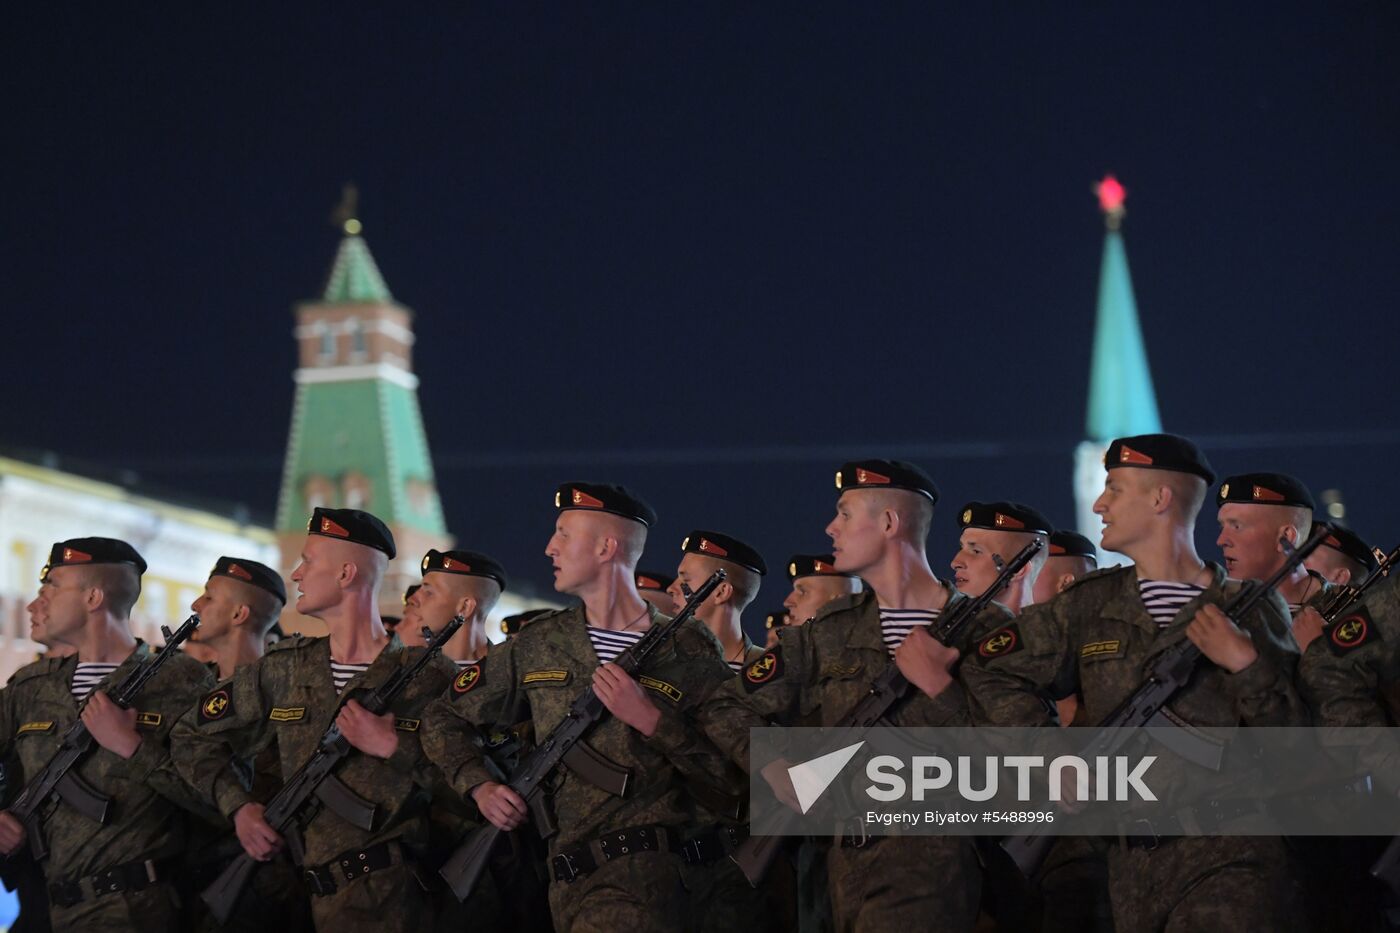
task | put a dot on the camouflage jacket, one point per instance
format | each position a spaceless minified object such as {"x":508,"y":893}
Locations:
{"x":538,"y":674}
{"x":1351,"y":674}
{"x":819,"y":671}
{"x":288,"y":698}
{"x":37,"y":707}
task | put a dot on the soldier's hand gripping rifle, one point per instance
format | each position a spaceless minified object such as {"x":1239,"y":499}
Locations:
{"x":314,"y":784}
{"x":1170,"y":671}
{"x":58,"y":779}
{"x":563,"y":746}
{"x":756,"y":853}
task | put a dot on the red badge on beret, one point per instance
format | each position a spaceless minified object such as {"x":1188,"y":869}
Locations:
{"x":584,"y":499}
{"x":870,"y":477}
{"x":1127,"y":455}
{"x":1262,"y":494}
{"x":329,"y":527}
{"x":450,"y":564}
{"x":71,"y":556}
{"x":236,"y":571}
{"x":709,"y":547}
{"x":647,"y":583}
{"x":1006,"y":521}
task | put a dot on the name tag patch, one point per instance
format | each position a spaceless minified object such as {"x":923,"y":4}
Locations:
{"x":406,"y":725}
{"x":669,"y":691}
{"x":149,"y":720}
{"x":546,"y":677}
{"x":287,"y":714}
{"x":35,"y":727}
{"x":1102,"y":649}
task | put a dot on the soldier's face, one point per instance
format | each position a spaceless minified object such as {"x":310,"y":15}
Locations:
{"x":1249,"y":539}
{"x":810,"y":594}
{"x":1125,"y":507}
{"x":692,"y":571}
{"x":857,"y":532}
{"x":64,"y":599}
{"x":1332,"y":564}
{"x":38,"y":610}
{"x":433,"y":605}
{"x":317,"y":576}
{"x":973,"y":569}
{"x":573,"y":551}
{"x":216,"y":607}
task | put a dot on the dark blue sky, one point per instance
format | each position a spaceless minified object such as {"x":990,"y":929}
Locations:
{"x":635,"y":233}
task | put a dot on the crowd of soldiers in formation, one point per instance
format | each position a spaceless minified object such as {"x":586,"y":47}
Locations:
{"x":191,"y":763}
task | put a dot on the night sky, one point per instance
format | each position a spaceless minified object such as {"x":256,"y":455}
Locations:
{"x":710,"y":253}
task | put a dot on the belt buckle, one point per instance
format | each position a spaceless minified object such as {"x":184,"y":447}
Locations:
{"x":319,"y":886}
{"x":1151,"y":831}
{"x":570,"y":872}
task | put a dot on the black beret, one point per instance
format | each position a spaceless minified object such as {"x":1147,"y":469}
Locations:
{"x":1158,"y":452}
{"x":777,"y":619}
{"x":651,"y":580}
{"x":252,"y":573}
{"x":1003,"y":516}
{"x":511,"y":625}
{"x":723,"y":547}
{"x":1072,"y":544}
{"x":92,"y":551}
{"x":1265,"y":489}
{"x":603,"y":497}
{"x":354,"y":526}
{"x":885,"y":474}
{"x":408,"y":593}
{"x":391,"y":622}
{"x":1351,"y":545}
{"x":813,"y":565}
{"x":464,"y":563}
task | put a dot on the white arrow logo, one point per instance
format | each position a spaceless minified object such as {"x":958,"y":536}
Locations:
{"x":810,"y":779}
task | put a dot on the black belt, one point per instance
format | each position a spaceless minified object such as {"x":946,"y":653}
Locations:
{"x":576,"y":861}
{"x":1192,"y":821}
{"x":132,"y":876}
{"x":713,"y":844}
{"x":324,"y":880}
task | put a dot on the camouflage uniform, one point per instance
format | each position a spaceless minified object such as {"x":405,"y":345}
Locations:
{"x":824,"y":668}
{"x":144,"y":835}
{"x":288,"y":697}
{"x":537,"y":675}
{"x":1098,"y":636}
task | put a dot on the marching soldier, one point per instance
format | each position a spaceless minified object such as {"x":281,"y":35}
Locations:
{"x":615,"y":860}
{"x":655,"y":588}
{"x":1000,"y":530}
{"x":705,"y":552}
{"x":1100,"y":632}
{"x":815,"y":582}
{"x":1343,"y":558}
{"x":359,"y":880}
{"x":465,"y":583}
{"x":116,"y":875}
{"x":1255,"y":510}
{"x":1071,"y":556}
{"x":239,"y":606}
{"x":824,"y":668}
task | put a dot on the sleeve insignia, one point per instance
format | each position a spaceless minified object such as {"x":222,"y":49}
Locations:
{"x":467,"y":679}
{"x":215,"y":706}
{"x":1352,"y":631}
{"x":669,"y":691}
{"x":1002,"y":642}
{"x":765,"y":669}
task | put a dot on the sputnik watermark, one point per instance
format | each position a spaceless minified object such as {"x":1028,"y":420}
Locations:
{"x":1118,"y":778}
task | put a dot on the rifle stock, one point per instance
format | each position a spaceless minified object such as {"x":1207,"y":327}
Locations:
{"x":314,"y":781}
{"x":755,"y":855}
{"x":464,"y":866}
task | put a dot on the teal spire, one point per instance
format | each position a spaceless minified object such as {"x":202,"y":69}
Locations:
{"x":354,"y":275}
{"x":1121,"y":399}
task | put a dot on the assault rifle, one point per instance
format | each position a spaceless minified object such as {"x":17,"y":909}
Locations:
{"x":756,"y":853}
{"x":58,"y":779}
{"x":314,"y":784}
{"x":1170,"y":671}
{"x":1344,"y":597}
{"x":563,"y":746}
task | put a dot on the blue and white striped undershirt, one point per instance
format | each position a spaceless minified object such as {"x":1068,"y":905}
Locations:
{"x":608,"y":644}
{"x":1164,"y":599}
{"x":88,"y":675}
{"x":342,"y":674}
{"x":896,"y":624}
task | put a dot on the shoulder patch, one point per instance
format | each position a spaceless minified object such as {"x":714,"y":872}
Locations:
{"x":215,"y":706}
{"x":287,"y":714}
{"x":148,"y":720}
{"x":1005,"y":640}
{"x":1351,"y":631}
{"x":669,"y":691}
{"x":546,"y":677}
{"x":467,"y":679}
{"x":765,"y":670}
{"x":31,"y":727}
